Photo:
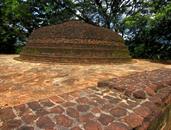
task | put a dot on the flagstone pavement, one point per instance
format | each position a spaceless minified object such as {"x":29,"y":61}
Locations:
{"x":104,"y":97}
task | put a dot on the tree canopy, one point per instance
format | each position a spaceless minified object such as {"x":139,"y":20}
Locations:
{"x":144,"y":24}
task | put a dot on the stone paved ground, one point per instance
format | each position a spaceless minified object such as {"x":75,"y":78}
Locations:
{"x":22,"y":82}
{"x":109,"y":106}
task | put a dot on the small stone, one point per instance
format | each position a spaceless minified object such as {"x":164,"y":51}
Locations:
{"x":133,"y":120}
{"x":105,"y":119}
{"x":72,"y":112}
{"x":139,"y":94}
{"x":83,"y":108}
{"x":45,"y":122}
{"x":117,"y":126}
{"x":63,"y":120}
{"x":92,"y":125}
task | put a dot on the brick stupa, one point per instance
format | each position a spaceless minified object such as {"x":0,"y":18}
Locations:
{"x":75,"y":42}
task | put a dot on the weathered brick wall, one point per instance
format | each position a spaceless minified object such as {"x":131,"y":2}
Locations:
{"x":153,"y":90}
{"x":77,"y":42}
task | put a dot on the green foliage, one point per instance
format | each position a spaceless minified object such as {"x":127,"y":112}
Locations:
{"x":18,"y":19}
{"x":149,"y":35}
{"x":146,"y":25}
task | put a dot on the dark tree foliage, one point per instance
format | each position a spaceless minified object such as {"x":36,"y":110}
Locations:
{"x":149,"y":35}
{"x":145,"y":25}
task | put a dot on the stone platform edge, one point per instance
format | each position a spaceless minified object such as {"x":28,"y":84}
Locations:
{"x":140,"y":101}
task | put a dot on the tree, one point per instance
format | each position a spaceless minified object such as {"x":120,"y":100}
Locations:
{"x":145,"y":25}
{"x":148,"y":32}
{"x":19,"y":18}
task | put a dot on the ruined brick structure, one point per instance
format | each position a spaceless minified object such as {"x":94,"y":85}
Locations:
{"x":75,"y":41}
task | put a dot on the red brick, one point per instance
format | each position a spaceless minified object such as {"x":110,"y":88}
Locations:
{"x":7,"y":114}
{"x":23,"y":110}
{"x":95,"y":110}
{"x":156,"y":100}
{"x":11,"y":124}
{"x":34,"y":105}
{"x":144,"y":126}
{"x":83,"y":108}
{"x":118,"y":112}
{"x":92,"y":125}
{"x":66,"y":96}
{"x":150,"y":91}
{"x":20,"y":109}
{"x":86,"y":117}
{"x":63,"y":120}
{"x":139,"y":94}
{"x":82,"y":100}
{"x":29,"y":119}
{"x":72,"y":112}
{"x":105,"y":84}
{"x":57,"y":109}
{"x":75,"y":94}
{"x":105,"y":119}
{"x":41,"y":112}
{"x":133,"y":120}
{"x":107,"y":107}
{"x":68,"y":104}
{"x":45,"y":122}
{"x":153,"y":87}
{"x":46,"y":103}
{"x":56,"y":99}
{"x":154,"y":108}
{"x":117,"y":126}
{"x":143,"y":111}
{"x":26,"y":128}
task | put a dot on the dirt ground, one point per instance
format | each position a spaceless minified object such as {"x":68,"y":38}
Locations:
{"x":22,"y":82}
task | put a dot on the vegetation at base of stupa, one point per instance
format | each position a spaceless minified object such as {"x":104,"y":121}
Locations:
{"x":145,"y":25}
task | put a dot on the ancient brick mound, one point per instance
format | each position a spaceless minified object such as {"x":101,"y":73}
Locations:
{"x":75,"y":41}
